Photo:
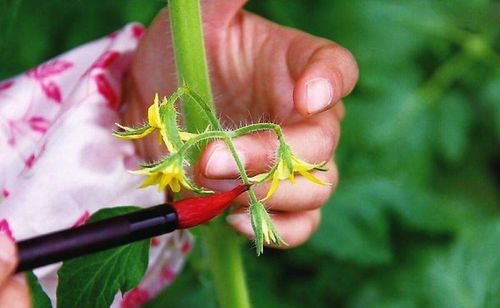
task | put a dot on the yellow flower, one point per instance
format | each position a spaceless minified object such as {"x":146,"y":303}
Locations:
{"x":154,"y":117}
{"x":286,"y":168}
{"x":154,"y":122}
{"x":172,"y":175}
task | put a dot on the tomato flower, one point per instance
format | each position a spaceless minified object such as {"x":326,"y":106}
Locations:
{"x":168,"y":173}
{"x":288,"y":165}
{"x":155,"y":121}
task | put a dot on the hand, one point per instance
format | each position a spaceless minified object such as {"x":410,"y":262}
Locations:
{"x":13,"y":289}
{"x":259,"y":70}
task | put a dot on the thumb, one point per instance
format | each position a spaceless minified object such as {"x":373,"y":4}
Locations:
{"x":323,"y":71}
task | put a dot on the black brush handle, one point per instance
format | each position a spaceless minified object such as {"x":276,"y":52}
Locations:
{"x":97,"y":236}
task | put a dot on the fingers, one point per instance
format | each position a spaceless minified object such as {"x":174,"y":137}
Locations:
{"x":8,"y":256}
{"x":15,"y":293}
{"x":13,"y":290}
{"x":293,"y":227}
{"x":339,"y":110}
{"x":322,"y":78}
{"x":312,"y":140}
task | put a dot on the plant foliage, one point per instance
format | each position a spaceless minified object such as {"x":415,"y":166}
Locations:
{"x":93,"y":281}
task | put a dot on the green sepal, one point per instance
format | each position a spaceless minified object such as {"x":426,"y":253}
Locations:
{"x":168,"y":115}
{"x":260,"y":218}
{"x":132,"y":132}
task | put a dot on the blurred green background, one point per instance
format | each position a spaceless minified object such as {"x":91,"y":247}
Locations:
{"x":415,"y":221}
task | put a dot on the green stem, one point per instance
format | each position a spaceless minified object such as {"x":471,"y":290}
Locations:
{"x":241,"y":168}
{"x":239,"y":164}
{"x":205,"y":107}
{"x":260,"y":127}
{"x":223,"y":244}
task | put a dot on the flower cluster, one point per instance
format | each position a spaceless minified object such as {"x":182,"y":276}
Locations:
{"x":170,"y":171}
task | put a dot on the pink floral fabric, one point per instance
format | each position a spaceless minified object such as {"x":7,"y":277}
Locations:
{"x":59,"y":162}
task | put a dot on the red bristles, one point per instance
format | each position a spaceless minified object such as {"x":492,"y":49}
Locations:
{"x":196,"y":211}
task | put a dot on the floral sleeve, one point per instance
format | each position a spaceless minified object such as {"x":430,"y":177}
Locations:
{"x":59,"y":162}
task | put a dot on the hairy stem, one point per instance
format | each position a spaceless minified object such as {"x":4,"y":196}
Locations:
{"x":223,"y":245}
{"x":205,"y":107}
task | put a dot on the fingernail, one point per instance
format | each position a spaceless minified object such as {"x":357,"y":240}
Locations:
{"x":319,"y":94}
{"x":220,"y":163}
{"x":242,"y":222}
{"x":7,"y":249}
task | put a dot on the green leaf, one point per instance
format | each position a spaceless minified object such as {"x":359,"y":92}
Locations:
{"x":354,"y":226}
{"x":93,"y":281}
{"x":453,"y":124}
{"x":463,"y":275}
{"x":38,"y":297}
{"x":491,"y":95}
{"x":467,"y":275}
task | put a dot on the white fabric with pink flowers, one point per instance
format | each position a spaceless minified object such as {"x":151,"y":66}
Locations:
{"x":59,"y":162}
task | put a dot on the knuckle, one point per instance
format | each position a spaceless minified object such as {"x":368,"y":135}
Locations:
{"x":351,"y":68}
{"x":327,"y":140}
{"x":321,"y":197}
{"x":347,"y":57}
{"x":327,"y":50}
{"x":315,"y":220}
{"x":338,"y":79}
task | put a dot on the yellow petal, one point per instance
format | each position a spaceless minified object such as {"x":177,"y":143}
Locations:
{"x":274,"y":186}
{"x":125,"y":128}
{"x":291,"y":177}
{"x":312,"y":178}
{"x":154,"y":113}
{"x":150,"y":180}
{"x":164,"y":181}
{"x":265,"y":232}
{"x":140,"y":172}
{"x":258,"y":178}
{"x":174,"y":184}
{"x":299,"y":164}
{"x":134,"y":136}
{"x":269,"y":230}
{"x":167,"y":142}
{"x":273,"y":238}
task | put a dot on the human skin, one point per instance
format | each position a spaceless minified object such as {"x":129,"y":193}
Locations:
{"x":259,"y":71}
{"x":13,"y":289}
